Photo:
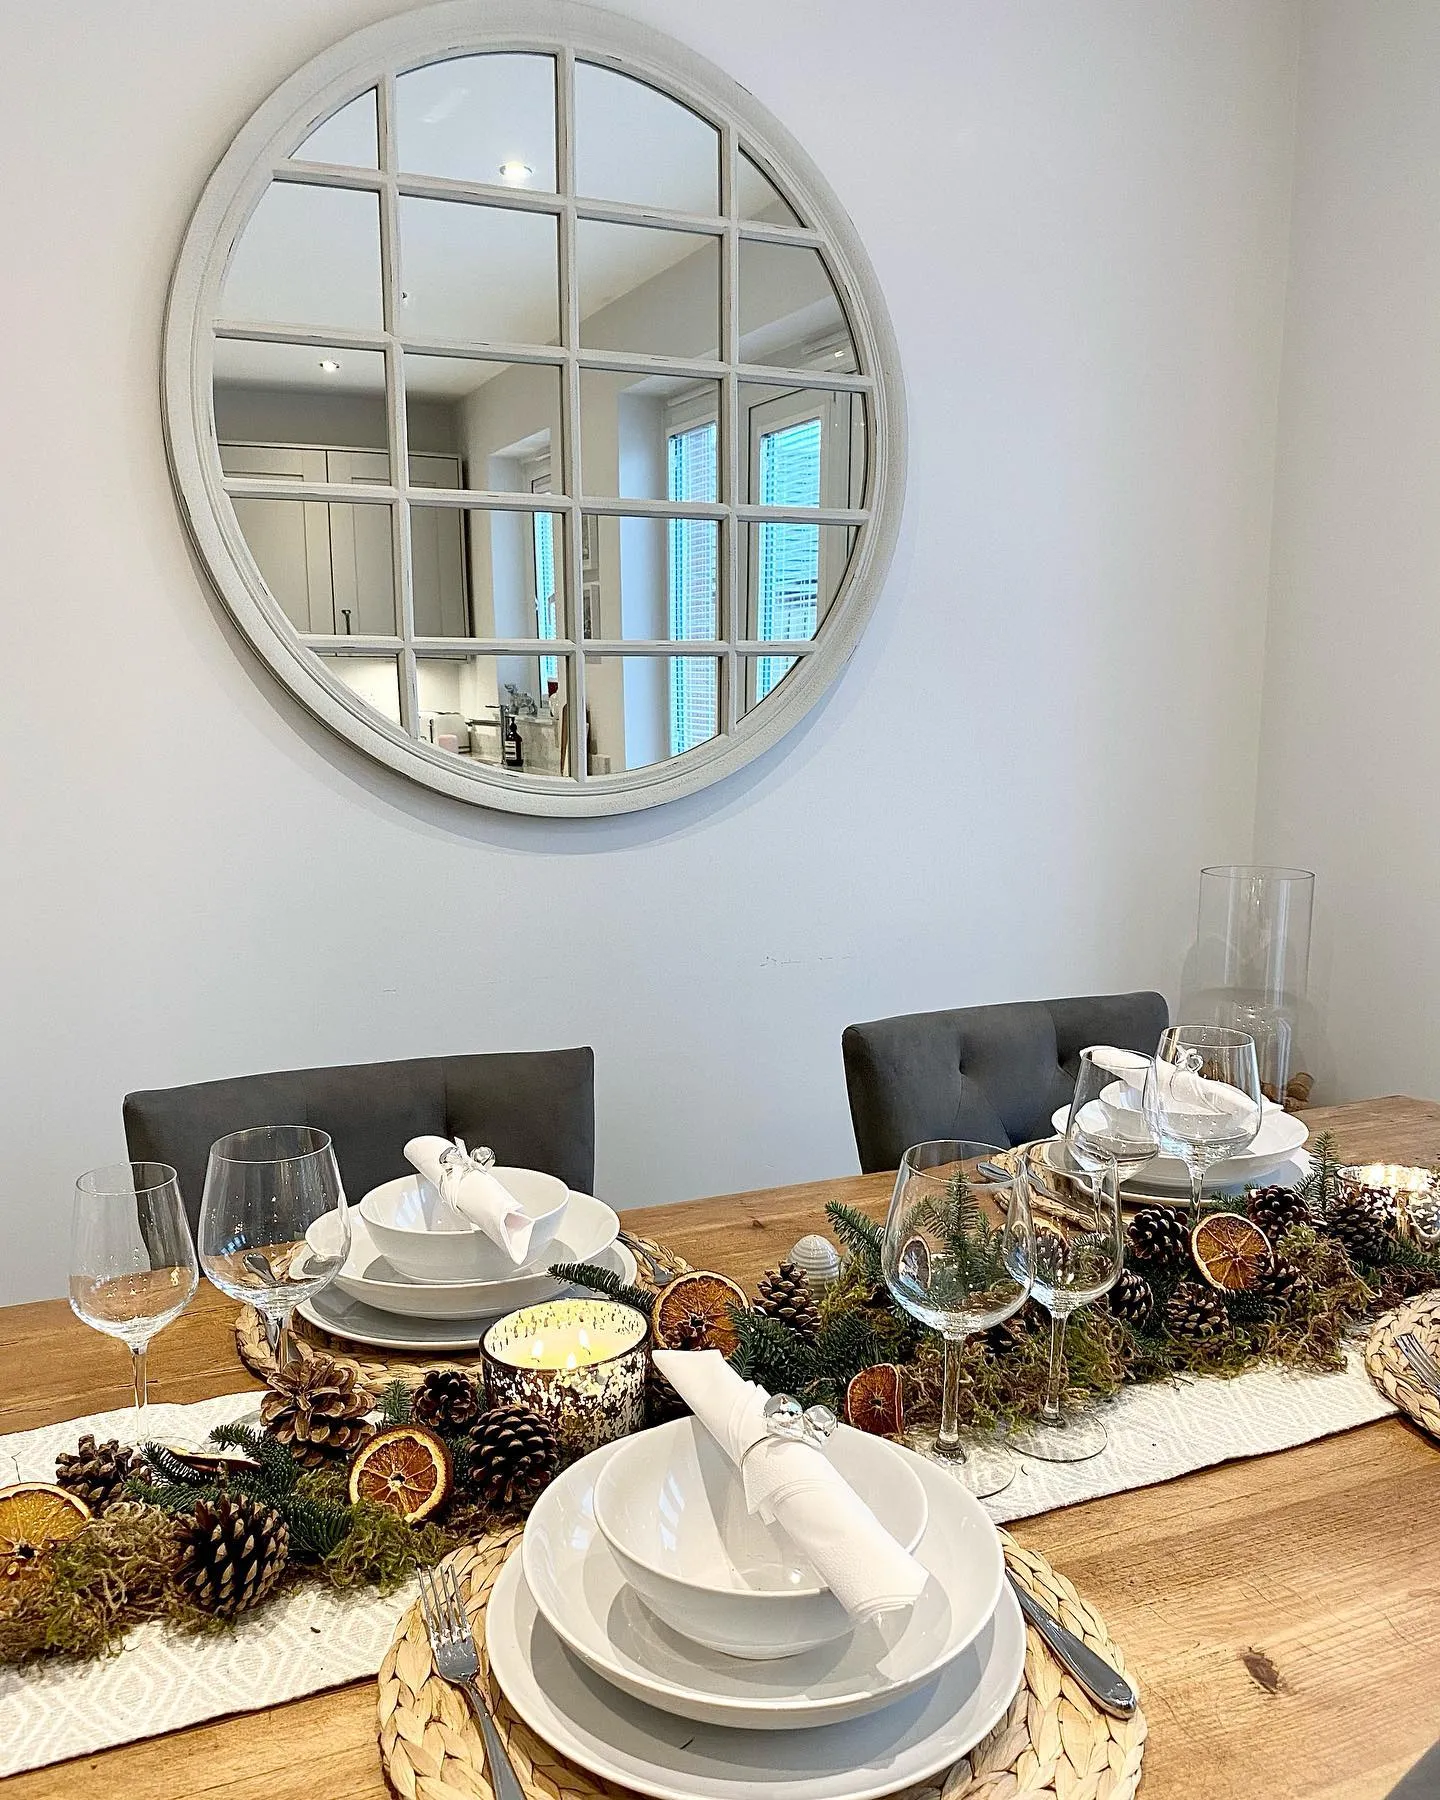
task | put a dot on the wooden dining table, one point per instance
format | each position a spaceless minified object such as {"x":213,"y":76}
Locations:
{"x":1281,"y":1614}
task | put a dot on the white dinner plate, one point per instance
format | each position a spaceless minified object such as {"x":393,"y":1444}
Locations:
{"x":1280,"y":1135}
{"x":581,"y":1715}
{"x":590,"y":1228}
{"x":584,"y":1598}
{"x":345,"y":1317}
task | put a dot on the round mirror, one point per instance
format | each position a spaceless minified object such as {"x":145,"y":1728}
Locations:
{"x":534,"y":407}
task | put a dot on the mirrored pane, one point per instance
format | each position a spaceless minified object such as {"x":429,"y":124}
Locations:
{"x":651,"y":579}
{"x":376,"y":679}
{"x":792,"y":576}
{"x":348,"y":136}
{"x":304,"y":397}
{"x":790,"y":314}
{"x":484,"y":274}
{"x":758,"y":198}
{"x":806,"y":446}
{"x":511,"y":712}
{"x":636,"y":144}
{"x":329,"y":565}
{"x":488,"y":573}
{"x":649,"y":709}
{"x":308,"y":256}
{"x":487,"y":119}
{"x":761,"y":676}
{"x":648,"y":437}
{"x":502,"y":418}
{"x":653,"y":291}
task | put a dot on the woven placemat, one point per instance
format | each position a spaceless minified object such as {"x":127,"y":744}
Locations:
{"x":378,"y":1367}
{"x":1051,"y":1745}
{"x":1386,"y":1365}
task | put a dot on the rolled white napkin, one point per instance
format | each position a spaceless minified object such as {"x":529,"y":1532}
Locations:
{"x":794,"y":1485}
{"x":1179,"y":1088}
{"x":476,"y":1195}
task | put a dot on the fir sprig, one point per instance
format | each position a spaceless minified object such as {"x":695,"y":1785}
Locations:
{"x":604,"y":1281}
{"x":860,"y":1235}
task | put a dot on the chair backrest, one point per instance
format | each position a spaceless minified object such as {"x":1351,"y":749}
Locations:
{"x":535,"y":1109}
{"x":990,"y":1073}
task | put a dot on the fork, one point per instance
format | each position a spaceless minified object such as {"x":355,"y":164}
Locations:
{"x":1420,"y":1360}
{"x":453,"y":1648}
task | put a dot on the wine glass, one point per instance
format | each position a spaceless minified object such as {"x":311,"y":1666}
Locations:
{"x":956,"y":1253}
{"x":264,"y":1188}
{"x":1079,"y":1249}
{"x":1204,"y":1098}
{"x":132,"y":1261}
{"x":1107,"y":1121}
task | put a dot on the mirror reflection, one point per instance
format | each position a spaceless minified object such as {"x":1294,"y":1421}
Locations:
{"x":502,"y":418}
{"x":804,"y":446}
{"x":348,"y":136}
{"x":649,"y":709}
{"x":375,"y":679}
{"x":479,"y":274}
{"x":651,"y":579}
{"x":308,"y":256}
{"x":792,"y":576}
{"x":648,"y":290}
{"x":487,"y":119}
{"x":759,"y":199}
{"x":635,"y":144}
{"x":512,"y":712}
{"x":649,"y":437}
{"x":497,"y":573}
{"x":790,"y":314}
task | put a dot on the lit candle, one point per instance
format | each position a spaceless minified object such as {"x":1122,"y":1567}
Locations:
{"x":578,"y":1363}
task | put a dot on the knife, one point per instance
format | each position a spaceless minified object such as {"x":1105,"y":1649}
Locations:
{"x":1110,"y":1691}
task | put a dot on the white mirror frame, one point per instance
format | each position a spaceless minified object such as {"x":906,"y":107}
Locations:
{"x":372,"y":58}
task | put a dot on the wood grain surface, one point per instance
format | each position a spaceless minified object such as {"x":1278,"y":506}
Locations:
{"x":1282,"y":1614}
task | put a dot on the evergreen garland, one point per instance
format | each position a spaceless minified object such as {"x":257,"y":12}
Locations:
{"x":606,"y":1282}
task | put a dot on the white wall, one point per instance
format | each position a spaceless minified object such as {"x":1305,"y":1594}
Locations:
{"x":1350,"y":762}
{"x":1078,"y":213}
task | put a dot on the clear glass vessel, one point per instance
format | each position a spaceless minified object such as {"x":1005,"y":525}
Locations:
{"x":957,"y":1254}
{"x":1203,"y":1100}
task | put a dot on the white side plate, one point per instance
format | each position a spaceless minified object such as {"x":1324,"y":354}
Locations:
{"x":1280,"y":1135}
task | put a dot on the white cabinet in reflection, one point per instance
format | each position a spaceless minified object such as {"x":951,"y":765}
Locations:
{"x":330,"y":564}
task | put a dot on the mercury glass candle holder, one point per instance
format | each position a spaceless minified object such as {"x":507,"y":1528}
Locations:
{"x":580,"y":1364}
{"x":1415,"y":1192}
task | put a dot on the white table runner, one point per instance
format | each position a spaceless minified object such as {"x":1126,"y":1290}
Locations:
{"x":313,"y":1639}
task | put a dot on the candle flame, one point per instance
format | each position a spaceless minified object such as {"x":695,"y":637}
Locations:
{"x":537,"y":1350}
{"x":570,"y":1362}
{"x":584,"y":1338}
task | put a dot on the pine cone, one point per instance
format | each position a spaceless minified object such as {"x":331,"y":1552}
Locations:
{"x":97,"y":1473}
{"x":317,"y":1407}
{"x":1283,"y":1284}
{"x":447,"y":1400}
{"x":1194,"y":1313}
{"x":231,"y":1553}
{"x":1132,"y":1299}
{"x":513,"y":1454}
{"x":1277,"y":1210}
{"x":1157,"y":1238}
{"x":1360,"y":1221}
{"x":662,"y":1403}
{"x":784,"y":1294}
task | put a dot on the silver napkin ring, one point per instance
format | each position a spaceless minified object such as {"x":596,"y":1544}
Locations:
{"x":786,"y":1419}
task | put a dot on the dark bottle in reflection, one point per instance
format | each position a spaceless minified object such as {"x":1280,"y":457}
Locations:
{"x":512,"y":753}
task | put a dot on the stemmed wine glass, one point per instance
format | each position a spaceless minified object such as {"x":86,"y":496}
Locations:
{"x":957,"y":1253}
{"x":1079,"y":1249}
{"x":264,"y":1189}
{"x":1204,"y":1099}
{"x":1107,"y":1121}
{"x":132,"y":1261}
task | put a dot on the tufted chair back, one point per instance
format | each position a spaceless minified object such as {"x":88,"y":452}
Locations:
{"x":990,"y":1073}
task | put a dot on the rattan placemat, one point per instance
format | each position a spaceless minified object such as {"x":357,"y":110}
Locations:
{"x":1387,"y":1367}
{"x":377,"y":1367}
{"x":1051,"y":1745}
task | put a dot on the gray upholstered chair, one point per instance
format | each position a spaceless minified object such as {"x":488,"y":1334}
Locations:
{"x":535,"y":1109}
{"x":991,"y":1073}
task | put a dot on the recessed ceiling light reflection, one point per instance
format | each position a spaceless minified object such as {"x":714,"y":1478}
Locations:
{"x":515,"y":171}
{"x":330,"y":366}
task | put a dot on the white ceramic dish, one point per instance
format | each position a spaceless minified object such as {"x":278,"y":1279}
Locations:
{"x":583,"y":1716}
{"x":1280,"y":1135}
{"x":669,"y":1505}
{"x":590,"y":1227}
{"x":422,"y":1237}
{"x":580,"y":1590}
{"x":345,"y":1317}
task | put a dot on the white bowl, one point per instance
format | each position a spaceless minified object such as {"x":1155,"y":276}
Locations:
{"x":429,"y":1241}
{"x":671,"y":1506}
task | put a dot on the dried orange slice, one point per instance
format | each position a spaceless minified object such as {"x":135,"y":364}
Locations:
{"x":693,"y":1313}
{"x":33,"y":1516}
{"x":914,"y":1263}
{"x":874,"y":1402}
{"x":1230,"y":1252}
{"x":407,"y":1469}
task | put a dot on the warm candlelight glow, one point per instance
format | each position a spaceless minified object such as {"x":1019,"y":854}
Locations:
{"x":578,"y":1362}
